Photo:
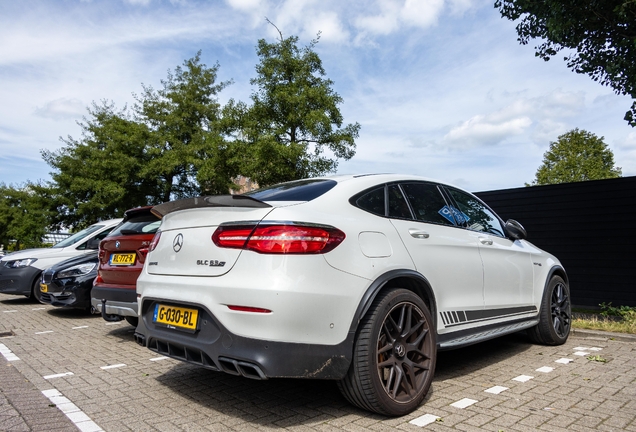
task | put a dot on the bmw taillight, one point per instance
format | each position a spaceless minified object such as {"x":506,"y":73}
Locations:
{"x":279,"y":238}
{"x":154,"y":242}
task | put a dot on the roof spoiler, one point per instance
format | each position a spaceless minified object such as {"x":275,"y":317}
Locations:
{"x":207,"y":201}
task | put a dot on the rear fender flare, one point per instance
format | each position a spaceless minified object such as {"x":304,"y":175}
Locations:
{"x":418,"y":283}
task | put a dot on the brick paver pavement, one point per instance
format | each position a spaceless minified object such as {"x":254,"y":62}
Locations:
{"x":98,"y":378}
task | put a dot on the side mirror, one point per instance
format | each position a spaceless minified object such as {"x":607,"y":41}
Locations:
{"x":515,"y":230}
{"x":93,"y":244}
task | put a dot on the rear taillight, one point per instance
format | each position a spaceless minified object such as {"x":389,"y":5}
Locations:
{"x":279,"y":238}
{"x":154,"y":242}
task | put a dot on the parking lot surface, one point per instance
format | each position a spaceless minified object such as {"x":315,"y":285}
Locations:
{"x":65,"y":370}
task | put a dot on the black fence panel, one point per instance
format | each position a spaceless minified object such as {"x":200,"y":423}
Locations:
{"x":590,"y":226}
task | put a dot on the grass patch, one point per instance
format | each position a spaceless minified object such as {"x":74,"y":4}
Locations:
{"x":613,"y":319}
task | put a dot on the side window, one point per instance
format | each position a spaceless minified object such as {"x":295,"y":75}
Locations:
{"x":372,"y":202}
{"x":99,"y":237}
{"x":475,"y":215}
{"x":398,"y":207}
{"x":428,"y":203}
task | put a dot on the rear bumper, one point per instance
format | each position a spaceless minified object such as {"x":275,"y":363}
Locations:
{"x":119,"y":301}
{"x":19,"y":280}
{"x":214,"y":347}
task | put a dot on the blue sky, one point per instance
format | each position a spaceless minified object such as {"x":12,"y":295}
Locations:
{"x":441,"y":88}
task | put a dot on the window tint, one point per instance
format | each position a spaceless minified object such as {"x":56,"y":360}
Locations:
{"x":97,"y":238}
{"x":75,"y":238}
{"x":398,"y":207}
{"x":372,"y":201}
{"x":142,"y":224}
{"x":428,"y":203}
{"x":301,"y":190}
{"x":474,"y":214}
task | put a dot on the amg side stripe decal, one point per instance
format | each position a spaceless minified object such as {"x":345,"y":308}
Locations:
{"x":453,"y":318}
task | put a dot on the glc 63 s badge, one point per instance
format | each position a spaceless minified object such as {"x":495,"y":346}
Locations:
{"x":211,"y":263}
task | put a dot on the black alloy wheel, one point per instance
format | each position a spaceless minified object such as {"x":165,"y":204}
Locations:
{"x":561,"y":313}
{"x":555,"y":316}
{"x":394,"y":355}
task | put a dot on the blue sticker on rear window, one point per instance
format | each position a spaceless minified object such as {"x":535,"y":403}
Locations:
{"x":449,"y":212}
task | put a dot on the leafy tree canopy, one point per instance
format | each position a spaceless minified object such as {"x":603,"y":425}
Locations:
{"x":578,"y":155}
{"x":601,"y":35}
{"x":294,"y":128}
{"x":170,"y":146}
{"x":23,"y":217}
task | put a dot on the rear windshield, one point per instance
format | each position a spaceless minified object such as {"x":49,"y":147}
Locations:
{"x":142,"y":224}
{"x":299,"y":190}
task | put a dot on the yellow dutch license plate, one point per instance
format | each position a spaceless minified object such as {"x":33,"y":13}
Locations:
{"x":122,"y":259}
{"x":44,"y":287}
{"x":176,"y":317}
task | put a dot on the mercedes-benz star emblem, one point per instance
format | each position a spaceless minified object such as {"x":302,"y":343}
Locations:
{"x":400,"y":350}
{"x":177,"y":243}
{"x":117,"y":244}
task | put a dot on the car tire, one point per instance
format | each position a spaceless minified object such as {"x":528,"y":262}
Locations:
{"x":555,"y":317}
{"x":133,"y":321}
{"x":394,"y":355}
{"x":34,"y":294}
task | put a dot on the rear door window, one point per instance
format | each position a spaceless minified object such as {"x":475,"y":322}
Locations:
{"x":428,"y":203}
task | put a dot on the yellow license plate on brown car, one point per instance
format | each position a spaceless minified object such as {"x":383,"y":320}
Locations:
{"x":176,"y":317}
{"x":122,"y":259}
{"x":44,"y":287}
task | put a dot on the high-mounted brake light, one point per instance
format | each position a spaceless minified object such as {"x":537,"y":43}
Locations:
{"x":154,"y":242}
{"x":279,"y":238}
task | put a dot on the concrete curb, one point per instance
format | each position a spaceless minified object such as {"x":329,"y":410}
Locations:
{"x":602,"y":335}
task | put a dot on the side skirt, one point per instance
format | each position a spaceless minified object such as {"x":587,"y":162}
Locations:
{"x":463,"y":338}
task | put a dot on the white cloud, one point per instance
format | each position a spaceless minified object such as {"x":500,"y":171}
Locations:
{"x":485,"y":130}
{"x":62,"y":109}
{"x":540,"y":117}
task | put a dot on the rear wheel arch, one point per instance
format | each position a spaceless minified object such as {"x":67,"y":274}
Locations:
{"x":407,"y":279}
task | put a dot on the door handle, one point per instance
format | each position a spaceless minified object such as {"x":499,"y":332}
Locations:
{"x":418,"y":234}
{"x":485,"y":241}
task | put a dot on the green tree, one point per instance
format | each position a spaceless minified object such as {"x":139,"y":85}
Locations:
{"x":187,"y":152}
{"x":600,"y":34}
{"x":294,"y":128}
{"x":101,"y":175}
{"x":578,"y":155}
{"x":24,"y":217}
{"x":170,"y":146}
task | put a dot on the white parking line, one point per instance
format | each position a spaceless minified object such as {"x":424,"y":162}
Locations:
{"x":563,"y":360}
{"x":70,"y":410}
{"x":545,"y":369}
{"x":587,"y":349}
{"x":424,"y":420}
{"x":80,"y":327}
{"x":60,"y":375}
{"x":523,"y":378}
{"x":581,"y":353}
{"x":38,"y":309}
{"x":7,"y":353}
{"x":9,"y":311}
{"x":496,"y":389}
{"x":159,"y":358}
{"x":461,"y":404}
{"x":113,"y":366}
{"x":43,"y":332}
{"x":113,"y":323}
